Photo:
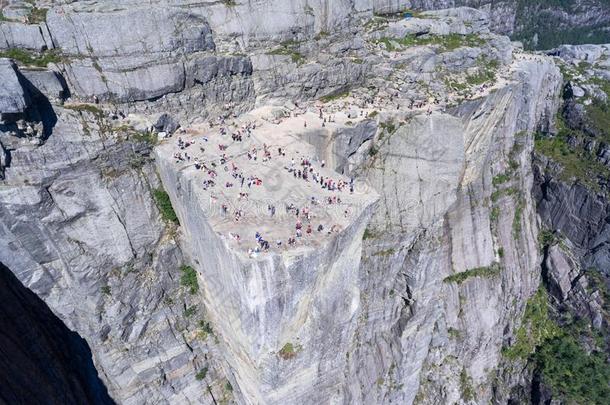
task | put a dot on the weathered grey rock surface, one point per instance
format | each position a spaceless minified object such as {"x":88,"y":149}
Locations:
{"x":13,"y":98}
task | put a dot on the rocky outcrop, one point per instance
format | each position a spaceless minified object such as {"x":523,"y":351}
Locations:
{"x":441,"y":215}
{"x":570,"y":190}
{"x":18,"y":35}
{"x":80,"y":228}
{"x":285,"y":317}
{"x":42,"y":360}
{"x":13,"y":99}
{"x":540,"y":25}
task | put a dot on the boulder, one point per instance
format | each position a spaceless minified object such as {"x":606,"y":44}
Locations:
{"x":587,"y":53}
{"x":48,"y":83}
{"x":578,"y":91}
{"x":562,"y":270}
{"x":166,"y":123}
{"x":18,"y":35}
{"x":132,"y":32}
{"x":13,"y":98}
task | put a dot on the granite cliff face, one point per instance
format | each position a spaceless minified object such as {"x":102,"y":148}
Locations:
{"x":416,"y":286}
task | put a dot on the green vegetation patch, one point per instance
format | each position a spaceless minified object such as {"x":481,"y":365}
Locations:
{"x":501,"y":179}
{"x":546,"y":238}
{"x":201,"y":374}
{"x":38,"y":15}
{"x":30,"y":58}
{"x":388,"y":126}
{"x":535,"y":328}
{"x":288,"y":351}
{"x":165,"y":206}
{"x":487,"y":272}
{"x":598,"y":115}
{"x":368,"y":234}
{"x":228,"y":386}
{"x":205,"y":329}
{"x":446,"y":43}
{"x":289,"y":48}
{"x":468,"y":393}
{"x":335,"y":96}
{"x":146,"y":137}
{"x":190,"y":311}
{"x":578,"y":163}
{"x":510,"y":191}
{"x":90,"y":108}
{"x":583,"y":378}
{"x":494,"y":214}
{"x":388,"y":252}
{"x":575,"y":164}
{"x":454,"y":333}
{"x":565,"y":366}
{"x":189,"y":279}
{"x":517,"y":218}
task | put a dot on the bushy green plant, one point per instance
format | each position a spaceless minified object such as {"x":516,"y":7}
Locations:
{"x":334,"y":96}
{"x":201,"y":374}
{"x":489,"y":271}
{"x":368,"y":234}
{"x":190,"y":311}
{"x":570,"y":371}
{"x":165,"y":206}
{"x":288,"y":351}
{"x":38,"y":15}
{"x":189,"y":279}
{"x":90,"y":108}
{"x":535,"y":328}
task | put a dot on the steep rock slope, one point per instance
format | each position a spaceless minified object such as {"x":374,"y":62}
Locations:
{"x":443,"y":270}
{"x":80,"y":228}
{"x":571,"y":189}
{"x":41,"y":359}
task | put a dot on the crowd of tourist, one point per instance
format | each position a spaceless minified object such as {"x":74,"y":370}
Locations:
{"x":222,"y":173}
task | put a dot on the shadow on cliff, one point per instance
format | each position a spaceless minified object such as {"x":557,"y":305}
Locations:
{"x":41,"y":360}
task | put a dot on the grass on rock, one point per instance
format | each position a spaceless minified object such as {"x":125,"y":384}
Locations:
{"x":30,"y":58}
{"x":189,"y":279}
{"x":487,"y":272}
{"x":165,"y":206}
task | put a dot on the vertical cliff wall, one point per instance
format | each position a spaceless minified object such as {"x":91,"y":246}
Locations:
{"x":41,"y":360}
{"x":451,"y":254}
{"x":286,"y":318}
